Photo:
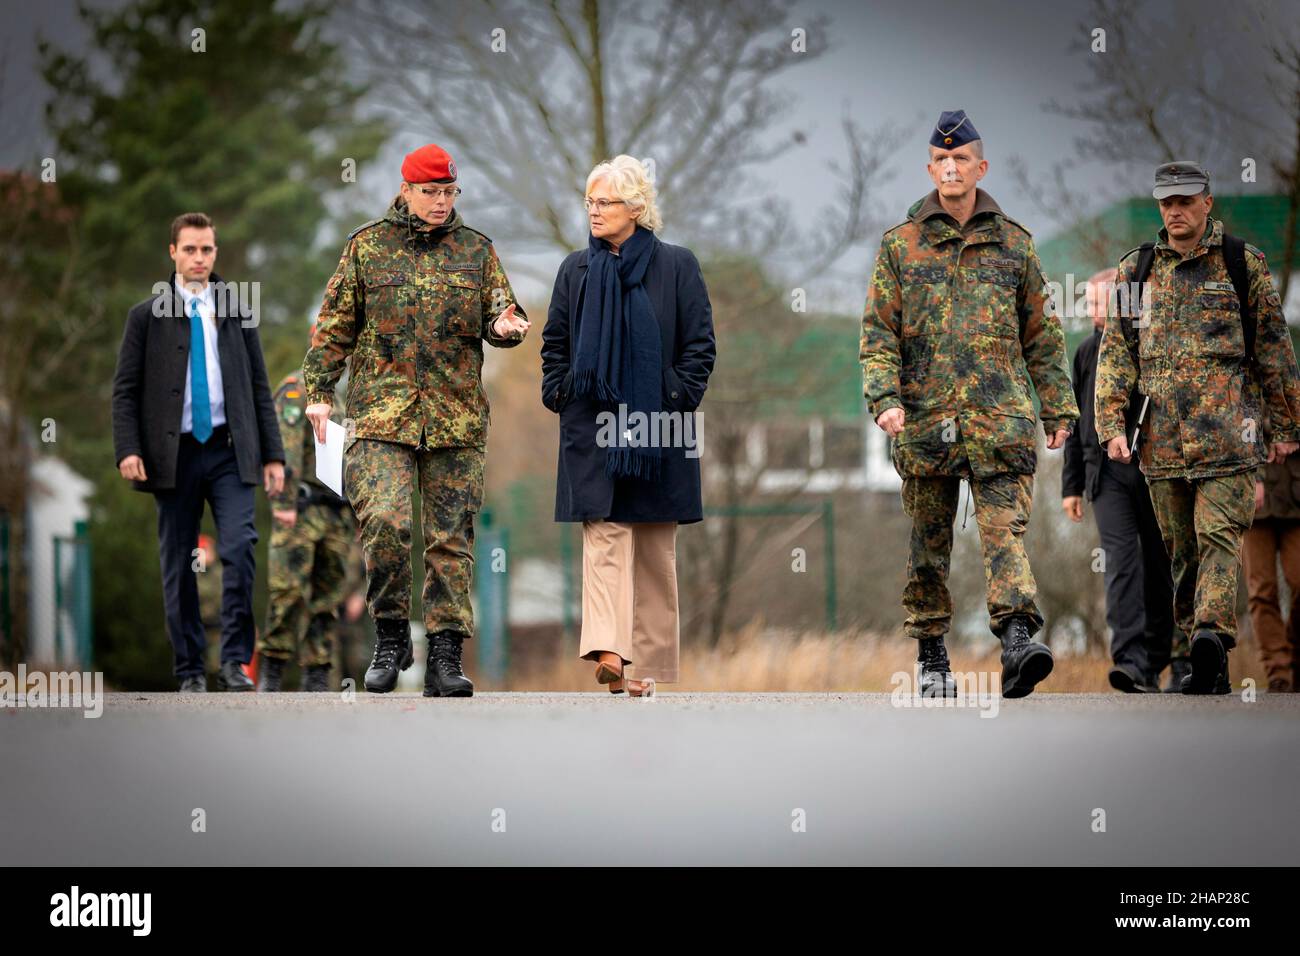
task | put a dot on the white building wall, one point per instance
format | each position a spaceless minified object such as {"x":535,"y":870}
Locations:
{"x":57,"y":503}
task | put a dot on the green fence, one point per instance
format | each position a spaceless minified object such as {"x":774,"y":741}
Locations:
{"x":72,"y":597}
{"x":492,"y":587}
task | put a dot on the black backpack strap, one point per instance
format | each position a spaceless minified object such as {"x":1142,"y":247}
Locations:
{"x":1146,"y":257}
{"x":1234,"y":257}
{"x":1141,"y":272}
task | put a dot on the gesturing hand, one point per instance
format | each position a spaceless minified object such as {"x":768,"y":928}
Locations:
{"x":507,"y":322}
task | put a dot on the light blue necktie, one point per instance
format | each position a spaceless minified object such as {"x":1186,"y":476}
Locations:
{"x":200,"y":407}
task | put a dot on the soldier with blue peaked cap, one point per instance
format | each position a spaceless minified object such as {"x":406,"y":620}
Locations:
{"x":957,"y":335}
{"x":953,"y":130}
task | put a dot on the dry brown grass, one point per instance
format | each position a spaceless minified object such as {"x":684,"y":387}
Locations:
{"x":758,"y":659}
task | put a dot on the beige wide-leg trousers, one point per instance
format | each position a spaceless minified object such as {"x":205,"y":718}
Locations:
{"x":629,"y":596}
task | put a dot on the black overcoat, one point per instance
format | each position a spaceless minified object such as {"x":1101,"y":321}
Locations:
{"x":681,"y":307}
{"x":149,"y":388}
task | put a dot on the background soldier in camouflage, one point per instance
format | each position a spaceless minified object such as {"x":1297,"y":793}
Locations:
{"x":957,"y":313}
{"x":356,"y":628}
{"x":209,"y":584}
{"x":311,"y":539}
{"x":1202,"y":438}
{"x":414,"y":296}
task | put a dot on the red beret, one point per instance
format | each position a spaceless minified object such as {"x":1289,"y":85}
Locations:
{"x":428,"y":164}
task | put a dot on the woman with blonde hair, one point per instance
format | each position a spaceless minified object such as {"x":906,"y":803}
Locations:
{"x":626,"y":356}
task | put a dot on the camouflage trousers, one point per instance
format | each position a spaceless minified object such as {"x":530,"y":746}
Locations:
{"x":1203,"y":522}
{"x":379,"y":477}
{"x":307,"y":579}
{"x":1002,"y":504}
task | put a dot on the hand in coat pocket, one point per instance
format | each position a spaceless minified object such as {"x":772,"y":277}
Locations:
{"x":562,"y":394}
{"x":675,"y":398}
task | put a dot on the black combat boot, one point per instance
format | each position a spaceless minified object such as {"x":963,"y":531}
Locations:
{"x":1024,"y":662}
{"x":1224,"y":683}
{"x":393,"y":653}
{"x":1179,"y":668}
{"x":316,"y":679}
{"x":936,"y":678}
{"x":1209,"y":666}
{"x":270,"y":672}
{"x":443,"y":675}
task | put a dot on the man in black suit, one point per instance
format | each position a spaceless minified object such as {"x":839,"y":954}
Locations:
{"x":194,"y":420}
{"x":1139,"y":582}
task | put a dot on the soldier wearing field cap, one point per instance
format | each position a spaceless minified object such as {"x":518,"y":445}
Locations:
{"x":415,"y":295}
{"x":957,"y":330}
{"x":1207,"y":349}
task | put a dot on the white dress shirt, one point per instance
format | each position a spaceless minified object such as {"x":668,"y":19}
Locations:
{"x":216,"y":394}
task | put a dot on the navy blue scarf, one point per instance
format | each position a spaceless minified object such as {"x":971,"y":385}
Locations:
{"x":617,"y":355}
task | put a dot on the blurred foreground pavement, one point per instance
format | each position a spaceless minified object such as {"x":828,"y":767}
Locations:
{"x":529,"y":778}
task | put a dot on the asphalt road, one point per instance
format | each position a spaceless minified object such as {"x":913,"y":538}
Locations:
{"x":679,"y":779}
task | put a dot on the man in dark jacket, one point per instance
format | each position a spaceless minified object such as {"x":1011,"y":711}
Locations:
{"x":1275,"y":533}
{"x":193,"y":420}
{"x":1139,"y":582}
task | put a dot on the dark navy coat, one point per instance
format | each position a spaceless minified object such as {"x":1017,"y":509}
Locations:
{"x":681,"y":307}
{"x":149,"y":389}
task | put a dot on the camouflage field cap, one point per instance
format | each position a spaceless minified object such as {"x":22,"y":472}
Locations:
{"x":1181,"y":178}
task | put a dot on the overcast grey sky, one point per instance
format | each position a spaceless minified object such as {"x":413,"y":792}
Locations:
{"x":894,"y":60}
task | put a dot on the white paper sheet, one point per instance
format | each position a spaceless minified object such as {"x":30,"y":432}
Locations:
{"x":329,"y":457}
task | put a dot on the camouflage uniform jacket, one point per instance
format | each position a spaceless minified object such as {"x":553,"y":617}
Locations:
{"x":412,"y":308}
{"x":958,"y":324}
{"x":1187,"y":354}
